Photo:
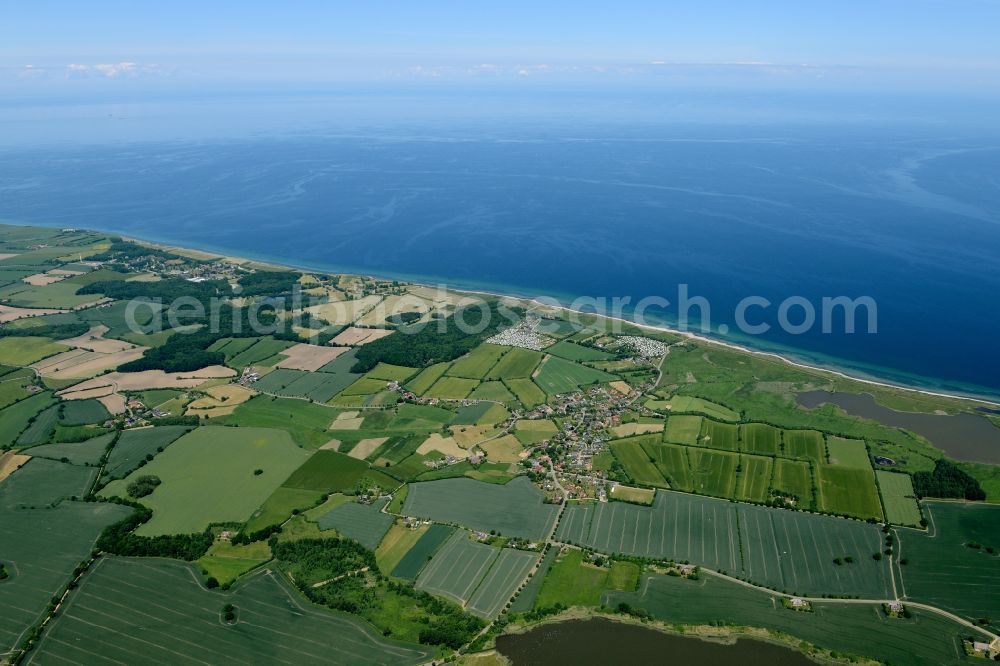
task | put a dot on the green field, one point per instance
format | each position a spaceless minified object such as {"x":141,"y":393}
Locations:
{"x":794,"y":552}
{"x":457,"y":568}
{"x":42,"y":482}
{"x":526,"y":391}
{"x":943,"y":570}
{"x":208,"y":476}
{"x":713,"y":472}
{"x":13,"y":386}
{"x":41,"y":428}
{"x":226,"y":561}
{"x":525,"y":600}
{"x":848,"y":490}
{"x":558,"y":376}
{"x":15,"y":418}
{"x":794,"y":478}
{"x":900,"y":501}
{"x":364,"y":386}
{"x":754,"y":478}
{"x":760,"y":438}
{"x":156,"y":397}
{"x":785,"y":550}
{"x":318,"y":386}
{"x":41,"y":546}
{"x":682,"y":527}
{"x":682,"y":430}
{"x":416,"y":557}
{"x":82,"y":412}
{"x":681,"y":404}
{"x":573,"y":582}
{"x":26,"y":350}
{"x":134,"y":445}
{"x":500,"y":583}
{"x":60,"y":295}
{"x":264,"y":351}
{"x":513,"y":509}
{"x":848,"y":453}
{"x":426,"y":378}
{"x":153,"y":611}
{"x":517,"y":363}
{"x":279,"y":507}
{"x":327,"y":471}
{"x":391,"y":373}
{"x":481,"y":578}
{"x":397,"y":449}
{"x":232,"y":346}
{"x":534,"y":430}
{"x":480,"y":413}
{"x":306,"y":422}
{"x":477,"y":363}
{"x":804,"y":445}
{"x":396,"y":543}
{"x":719,"y":435}
{"x":412,"y":417}
{"x":364,"y":523}
{"x":637,"y":461}
{"x":88,"y":452}
{"x":495,"y":391}
{"x":574,"y":352}
{"x":451,"y":388}
{"x":672,"y":462}
{"x":926,"y":639}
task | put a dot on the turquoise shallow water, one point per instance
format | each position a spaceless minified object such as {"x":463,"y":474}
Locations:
{"x":909,"y":217}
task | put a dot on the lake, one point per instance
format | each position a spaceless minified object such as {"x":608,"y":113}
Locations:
{"x":962,"y":436}
{"x":599,"y":642}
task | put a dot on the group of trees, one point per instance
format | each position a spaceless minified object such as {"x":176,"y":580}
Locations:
{"x":268,"y":283}
{"x":352,"y":583}
{"x":54,"y":331}
{"x":121,"y":250}
{"x":182,"y":352}
{"x":434,"y":342}
{"x":163,"y":291}
{"x":186,"y":351}
{"x":315,"y":560}
{"x":947,"y":480}
{"x":142,"y":486}
{"x":119,"y":539}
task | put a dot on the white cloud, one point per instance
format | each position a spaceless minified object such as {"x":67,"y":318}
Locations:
{"x":124,"y":69}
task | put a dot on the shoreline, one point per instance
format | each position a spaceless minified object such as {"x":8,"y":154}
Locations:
{"x":991,"y":401}
{"x":838,"y":373}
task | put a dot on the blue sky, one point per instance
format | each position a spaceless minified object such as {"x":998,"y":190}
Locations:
{"x":911,"y":44}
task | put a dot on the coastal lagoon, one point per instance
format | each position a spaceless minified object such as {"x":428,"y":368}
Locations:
{"x":962,"y":436}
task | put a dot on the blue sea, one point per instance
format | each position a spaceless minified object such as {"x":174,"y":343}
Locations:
{"x":574,"y":194}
